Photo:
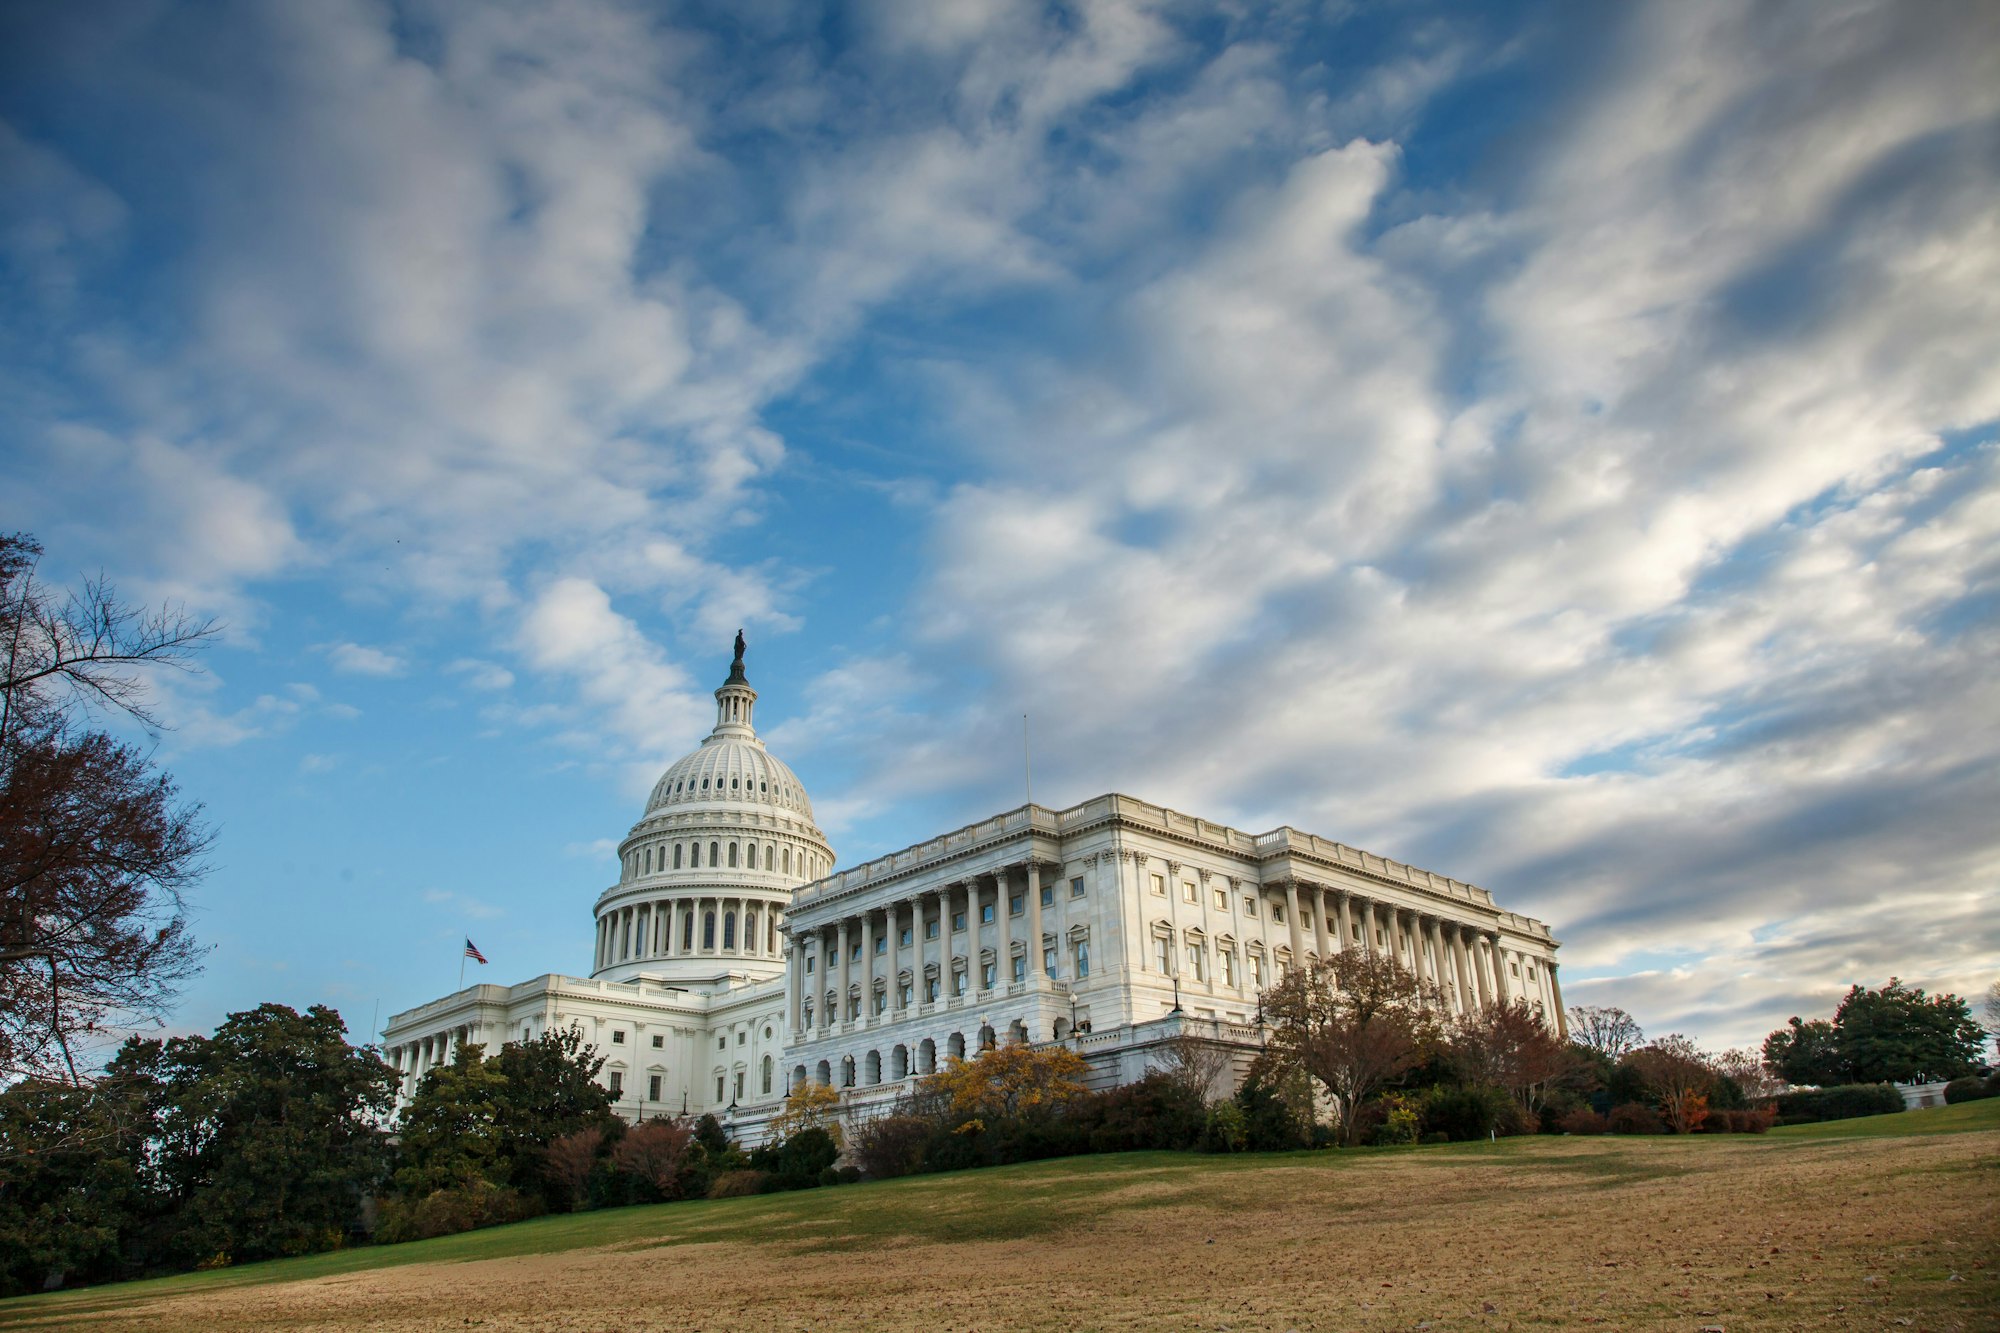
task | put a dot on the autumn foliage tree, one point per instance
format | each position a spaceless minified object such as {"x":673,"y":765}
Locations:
{"x":1009,"y":1081}
{"x":1508,"y":1047}
{"x":96,"y":849}
{"x":1351,"y":1023}
{"x":1678,"y":1076}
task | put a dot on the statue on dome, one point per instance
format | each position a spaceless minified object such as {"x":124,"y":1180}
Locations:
{"x":739,"y":649}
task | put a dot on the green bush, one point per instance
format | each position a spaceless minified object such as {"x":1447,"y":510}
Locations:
{"x":1843,"y":1102}
{"x":1227,"y":1129}
{"x":739,"y":1184}
{"x":450,"y":1211}
{"x":1970,"y":1089}
{"x":1465,"y":1113}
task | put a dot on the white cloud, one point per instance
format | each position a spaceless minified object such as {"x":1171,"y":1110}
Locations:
{"x":482,"y":675}
{"x":357,"y":659}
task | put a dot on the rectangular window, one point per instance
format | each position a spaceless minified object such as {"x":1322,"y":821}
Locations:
{"x":1021,"y":968}
{"x":854,"y":951}
{"x":617,"y":1039}
{"x":722,"y":1043}
{"x":930,"y":930}
{"x":1278,"y":913}
{"x":881,"y":944}
{"x":881,"y":1001}
{"x":1195,"y":958}
{"x":958,"y":982}
{"x":986,"y":914}
{"x":810,"y":960}
{"x":1222,"y":900}
{"x":1049,"y":962}
{"x":903,"y":938}
{"x":739,"y":1085}
{"x":1249,"y":905}
{"x":1228,"y":966}
{"x":742,"y":1037}
{"x":659,"y":1042}
{"x":1076,"y":887}
{"x":958,"y":921}
{"x":903,"y":996}
{"x":1017,"y":904}
{"x":1159,"y":886}
{"x":930,"y":989}
{"x":1305,"y":918}
{"x":718,"y":1087}
{"x":854,"y":1006}
{"x":1257,"y":970}
{"x":653,"y":1088}
{"x":1187,"y":892}
{"x":987,"y":976}
{"x":1082,"y":960}
{"x":1163,"y":955}
{"x":1048,"y":895}
{"x":617,"y":1084}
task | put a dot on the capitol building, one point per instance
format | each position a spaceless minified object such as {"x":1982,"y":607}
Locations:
{"x":732,"y":961}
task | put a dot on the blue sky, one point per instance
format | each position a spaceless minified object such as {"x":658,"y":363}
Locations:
{"x":1554,"y":445}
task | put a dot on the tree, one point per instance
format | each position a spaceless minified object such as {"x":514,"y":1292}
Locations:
{"x":1993,"y":1014}
{"x":1747,"y":1070}
{"x":1509,"y":1047}
{"x":1608,"y":1030}
{"x":657,"y":1153}
{"x":808,"y":1106}
{"x":1678,"y":1076}
{"x":569,"y":1161}
{"x":71,"y":1197}
{"x":1806,"y":1052}
{"x":1894,"y":1034}
{"x":1010,"y":1081}
{"x":1897,"y":1034}
{"x":96,"y":852}
{"x":265,"y":1137}
{"x":1351,"y":1022}
{"x":493,"y":1118}
{"x":1195,"y":1063}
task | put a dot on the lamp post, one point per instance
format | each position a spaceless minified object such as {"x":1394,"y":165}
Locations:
{"x":1177,"y":993}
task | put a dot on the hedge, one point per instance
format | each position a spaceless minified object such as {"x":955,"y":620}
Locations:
{"x":1844,"y":1102}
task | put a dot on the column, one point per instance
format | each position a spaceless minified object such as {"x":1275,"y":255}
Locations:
{"x":1036,"y":973}
{"x":1131,"y":912}
{"x":1343,"y":933}
{"x":846,"y":971}
{"x":1468,"y":994}
{"x":829,"y":944}
{"x":1556,"y":990}
{"x":1368,"y":945}
{"x":868,"y":966}
{"x":1003,"y":913}
{"x":1319,"y":919}
{"x":975,"y":938}
{"x":1292,"y":922}
{"x":1454,"y":996}
{"x":893,"y":911}
{"x":1500,"y":969}
{"x":794,"y":972}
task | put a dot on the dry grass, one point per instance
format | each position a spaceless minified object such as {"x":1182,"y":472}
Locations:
{"x":1738,"y":1233}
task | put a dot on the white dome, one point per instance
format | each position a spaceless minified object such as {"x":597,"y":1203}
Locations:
{"x":729,"y":773}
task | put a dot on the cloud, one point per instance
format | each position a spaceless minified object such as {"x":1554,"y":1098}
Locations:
{"x":360,"y":660}
{"x":482,"y":675}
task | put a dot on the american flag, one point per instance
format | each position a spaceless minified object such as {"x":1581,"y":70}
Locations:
{"x":472,"y":952}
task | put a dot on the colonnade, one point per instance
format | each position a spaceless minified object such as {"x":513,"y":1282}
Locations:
{"x":701,"y":925}
{"x":889,"y":958}
{"x":414,"y":1056}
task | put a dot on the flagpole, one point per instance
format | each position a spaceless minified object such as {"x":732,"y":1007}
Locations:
{"x":461,"y":969}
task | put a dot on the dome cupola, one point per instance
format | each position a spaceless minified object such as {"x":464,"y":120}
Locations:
{"x":709,"y":869}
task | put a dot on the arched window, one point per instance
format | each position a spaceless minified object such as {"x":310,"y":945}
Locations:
{"x":729,"y":930}
{"x":955,"y":1045}
{"x":825,"y":1074}
{"x":766,"y":1082}
{"x":715,"y":854}
{"x":708,"y":930}
{"x":770,"y":857}
{"x":732,"y":856}
{"x":649,"y":860}
{"x":694,"y":850}
{"x":788,"y":860}
{"x":751,"y":851}
{"x":750,"y":930}
{"x":872,"y":1067}
{"x":687,"y":932}
{"x":677,"y":856}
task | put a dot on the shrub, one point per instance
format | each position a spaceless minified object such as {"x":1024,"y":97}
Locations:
{"x":1970,"y":1089}
{"x":738,"y":1184}
{"x":1402,"y":1122}
{"x":1462,"y":1114}
{"x":450,"y":1211}
{"x":1583,"y":1120}
{"x":1154,"y":1112}
{"x":1227,"y":1130}
{"x":1269,"y":1122}
{"x":1845,"y":1101}
{"x":805,"y":1158}
{"x":1636,"y":1118}
{"x":890,"y":1145}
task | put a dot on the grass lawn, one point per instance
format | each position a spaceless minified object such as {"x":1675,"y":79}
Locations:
{"x":1884,"y":1222}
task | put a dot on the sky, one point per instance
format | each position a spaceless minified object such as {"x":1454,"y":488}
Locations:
{"x":1555,"y":445}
